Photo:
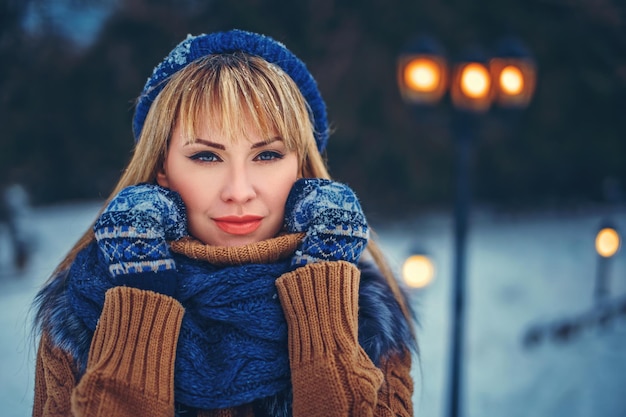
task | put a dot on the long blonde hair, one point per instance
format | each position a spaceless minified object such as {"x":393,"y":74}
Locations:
{"x":229,"y":86}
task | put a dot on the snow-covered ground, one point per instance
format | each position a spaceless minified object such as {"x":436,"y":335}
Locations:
{"x":55,"y":230}
{"x":524,"y":272}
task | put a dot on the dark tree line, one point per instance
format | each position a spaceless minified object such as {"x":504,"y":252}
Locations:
{"x":65,"y":110}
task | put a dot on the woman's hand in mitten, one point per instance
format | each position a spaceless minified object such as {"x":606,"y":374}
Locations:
{"x":330,"y":215}
{"x":133,"y":231}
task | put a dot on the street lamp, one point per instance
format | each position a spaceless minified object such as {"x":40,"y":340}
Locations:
{"x":418,"y":270}
{"x":422,"y":72}
{"x":607,"y":241}
{"x":472,"y":87}
{"x":476,"y":84}
{"x":607,"y":244}
{"x":515,"y":73}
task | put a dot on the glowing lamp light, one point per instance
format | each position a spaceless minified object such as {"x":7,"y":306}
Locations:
{"x":515,"y":73}
{"x":607,"y":242}
{"x":418,"y":271}
{"x":475,"y":80}
{"x":422,"y":74}
{"x":472,"y":87}
{"x":511,"y":80}
{"x":422,"y":78}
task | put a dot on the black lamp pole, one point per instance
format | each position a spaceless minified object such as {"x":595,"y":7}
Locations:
{"x":464,"y":132}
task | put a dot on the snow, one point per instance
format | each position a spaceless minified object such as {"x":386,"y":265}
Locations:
{"x":56,"y":228}
{"x":525,"y":272}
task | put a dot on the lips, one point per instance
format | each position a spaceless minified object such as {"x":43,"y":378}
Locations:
{"x":238,"y":225}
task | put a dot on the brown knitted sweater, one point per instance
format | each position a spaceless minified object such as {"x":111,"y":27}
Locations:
{"x":130,"y":370}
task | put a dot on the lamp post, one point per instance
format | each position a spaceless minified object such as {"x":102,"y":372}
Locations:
{"x":607,"y":244}
{"x":471,"y":94}
{"x":476,"y":83}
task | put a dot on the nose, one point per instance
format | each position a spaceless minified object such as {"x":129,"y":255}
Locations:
{"x":238,"y":186}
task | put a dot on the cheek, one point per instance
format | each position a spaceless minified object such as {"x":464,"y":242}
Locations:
{"x":194,"y":193}
{"x":281,"y":186}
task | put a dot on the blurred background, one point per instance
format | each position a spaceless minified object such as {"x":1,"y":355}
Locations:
{"x":71,"y":69}
{"x":544,"y":319}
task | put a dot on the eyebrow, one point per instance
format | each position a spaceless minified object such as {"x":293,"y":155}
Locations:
{"x":222,"y":147}
{"x":265,"y":142}
{"x":207,"y":143}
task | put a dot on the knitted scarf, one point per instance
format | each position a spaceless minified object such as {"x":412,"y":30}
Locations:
{"x":232,"y":347}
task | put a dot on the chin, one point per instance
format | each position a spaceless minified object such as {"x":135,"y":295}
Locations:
{"x":234,"y":240}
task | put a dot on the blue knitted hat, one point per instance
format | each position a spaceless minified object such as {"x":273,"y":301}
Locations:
{"x":195,"y":47}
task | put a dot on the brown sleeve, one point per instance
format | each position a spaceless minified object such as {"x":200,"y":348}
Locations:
{"x":395,"y":395}
{"x":54,"y":380}
{"x":331,"y":374}
{"x":130,"y":370}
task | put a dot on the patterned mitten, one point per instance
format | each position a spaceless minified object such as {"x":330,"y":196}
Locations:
{"x":330,"y":215}
{"x":133,"y":231}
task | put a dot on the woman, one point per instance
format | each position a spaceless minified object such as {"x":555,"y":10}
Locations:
{"x":224,"y":277}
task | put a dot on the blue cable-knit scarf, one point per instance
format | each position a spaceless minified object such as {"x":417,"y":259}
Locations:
{"x":232,"y":348}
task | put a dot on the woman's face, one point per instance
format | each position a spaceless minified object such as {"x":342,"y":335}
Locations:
{"x":234,"y":192}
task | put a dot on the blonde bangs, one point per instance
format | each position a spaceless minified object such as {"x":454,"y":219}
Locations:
{"x":237,"y":93}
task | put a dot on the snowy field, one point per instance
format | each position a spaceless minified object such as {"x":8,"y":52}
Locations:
{"x":524,"y":272}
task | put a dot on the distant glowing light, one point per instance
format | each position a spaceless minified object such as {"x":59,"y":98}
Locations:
{"x":423,"y":75}
{"x":511,"y":80}
{"x":418,"y":271}
{"x":475,"y":81}
{"x":607,"y":242}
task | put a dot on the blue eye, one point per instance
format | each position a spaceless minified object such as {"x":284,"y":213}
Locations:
{"x":205,"y":156}
{"x":269,"y":155}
